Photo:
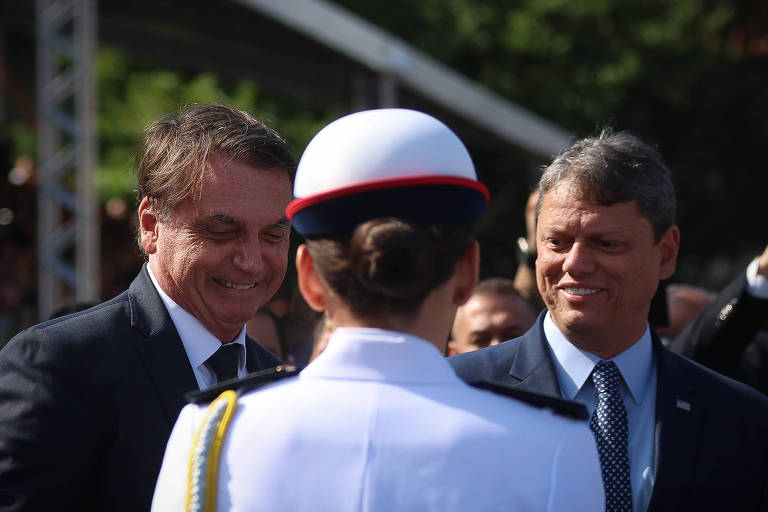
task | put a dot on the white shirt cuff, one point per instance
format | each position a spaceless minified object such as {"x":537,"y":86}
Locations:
{"x":757,"y":285}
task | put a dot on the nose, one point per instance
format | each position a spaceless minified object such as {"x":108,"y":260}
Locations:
{"x":249,"y":256}
{"x":579,"y":260}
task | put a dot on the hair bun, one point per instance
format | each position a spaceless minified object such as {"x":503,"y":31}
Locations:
{"x":392,"y":258}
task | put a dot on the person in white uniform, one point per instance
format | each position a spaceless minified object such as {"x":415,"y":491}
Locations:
{"x":379,"y":422}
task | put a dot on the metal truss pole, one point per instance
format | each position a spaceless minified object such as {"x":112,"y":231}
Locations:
{"x":68,"y":223}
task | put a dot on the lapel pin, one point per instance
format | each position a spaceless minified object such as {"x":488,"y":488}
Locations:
{"x":682,"y":404}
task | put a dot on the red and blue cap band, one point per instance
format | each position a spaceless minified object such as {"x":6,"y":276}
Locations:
{"x":424,"y":199}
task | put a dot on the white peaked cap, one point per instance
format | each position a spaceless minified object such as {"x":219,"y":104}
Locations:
{"x":385,"y":162}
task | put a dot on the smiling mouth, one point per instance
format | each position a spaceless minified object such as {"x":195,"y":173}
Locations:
{"x":580,"y":291}
{"x":234,"y":286}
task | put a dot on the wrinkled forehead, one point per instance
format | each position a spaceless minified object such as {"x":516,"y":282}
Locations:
{"x":230,"y":188}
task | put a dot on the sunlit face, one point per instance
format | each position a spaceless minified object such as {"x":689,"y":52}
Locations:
{"x":598,"y":268}
{"x":488,"y":319}
{"x":223,"y":253}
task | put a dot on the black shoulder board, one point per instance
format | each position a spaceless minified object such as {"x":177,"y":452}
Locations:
{"x":558,"y":405}
{"x":241,"y":385}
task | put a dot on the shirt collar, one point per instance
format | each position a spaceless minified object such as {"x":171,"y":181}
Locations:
{"x":574,"y":366}
{"x":198,"y":341}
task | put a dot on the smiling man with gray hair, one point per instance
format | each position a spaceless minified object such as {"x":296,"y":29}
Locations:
{"x":671,"y":434}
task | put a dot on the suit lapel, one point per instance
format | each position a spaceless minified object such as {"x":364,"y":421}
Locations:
{"x":258,"y":358}
{"x":252,"y":362}
{"x":677,"y":434}
{"x":161,"y":349}
{"x":532,"y":365}
{"x":678,"y":412}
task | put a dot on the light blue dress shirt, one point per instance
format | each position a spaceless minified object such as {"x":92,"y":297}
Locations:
{"x":637,"y":365}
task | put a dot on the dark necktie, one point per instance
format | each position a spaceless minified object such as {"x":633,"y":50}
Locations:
{"x":224,"y":361}
{"x":609,"y":426}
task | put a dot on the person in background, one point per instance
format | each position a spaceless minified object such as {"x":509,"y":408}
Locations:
{"x":378,"y":421}
{"x":524,"y":279}
{"x":495,"y":313}
{"x":265,"y":327}
{"x":87,"y":401}
{"x":672,"y":435}
{"x":684,"y":303}
{"x":731,"y":334}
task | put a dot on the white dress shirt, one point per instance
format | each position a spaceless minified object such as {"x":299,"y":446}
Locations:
{"x":198,"y":342}
{"x":637,"y":365}
{"x":380,"y":422}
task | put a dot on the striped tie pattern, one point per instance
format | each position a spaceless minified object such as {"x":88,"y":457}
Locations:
{"x":224,"y":361}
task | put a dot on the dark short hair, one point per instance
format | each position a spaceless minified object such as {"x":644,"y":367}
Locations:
{"x":497,"y":286}
{"x":502,"y":287}
{"x":616,"y":167}
{"x":176,"y":149}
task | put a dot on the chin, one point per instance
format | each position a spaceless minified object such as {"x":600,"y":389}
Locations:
{"x":575,"y":321}
{"x":236,"y":315}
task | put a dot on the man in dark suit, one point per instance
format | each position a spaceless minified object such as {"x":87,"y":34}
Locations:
{"x":88,"y":401}
{"x":672,"y":435}
{"x":729,"y":335}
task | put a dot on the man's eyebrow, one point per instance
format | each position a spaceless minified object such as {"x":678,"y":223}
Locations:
{"x":222,"y":218}
{"x":282,"y":223}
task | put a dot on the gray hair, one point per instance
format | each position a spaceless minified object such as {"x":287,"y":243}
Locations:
{"x":497,"y":286}
{"x":616,"y":168}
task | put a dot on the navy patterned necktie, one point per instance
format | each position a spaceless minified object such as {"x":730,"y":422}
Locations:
{"x":224,"y":361}
{"x":609,"y":426}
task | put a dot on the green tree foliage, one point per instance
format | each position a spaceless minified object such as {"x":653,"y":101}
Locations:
{"x":689,"y":76}
{"x":132,"y":95}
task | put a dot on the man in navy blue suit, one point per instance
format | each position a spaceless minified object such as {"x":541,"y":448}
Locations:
{"x":693,"y":439}
{"x":88,"y":401}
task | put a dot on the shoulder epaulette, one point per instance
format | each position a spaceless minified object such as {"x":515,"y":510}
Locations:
{"x":241,"y":385}
{"x":558,"y":405}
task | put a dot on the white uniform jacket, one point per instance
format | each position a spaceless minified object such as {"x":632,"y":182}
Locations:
{"x":380,"y":422}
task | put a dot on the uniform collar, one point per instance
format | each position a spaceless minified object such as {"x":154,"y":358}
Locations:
{"x":380,"y":355}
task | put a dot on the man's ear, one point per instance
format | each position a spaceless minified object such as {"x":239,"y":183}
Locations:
{"x":148,"y":227}
{"x":467,"y":273}
{"x":451,"y":348}
{"x":310,"y":282}
{"x":669,"y":245}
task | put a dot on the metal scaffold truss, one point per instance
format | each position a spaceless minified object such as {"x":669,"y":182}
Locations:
{"x":68,"y":223}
